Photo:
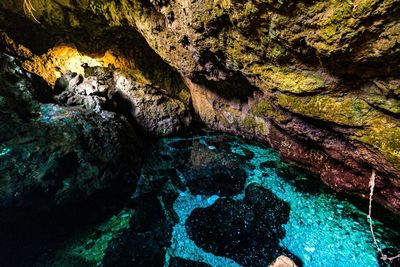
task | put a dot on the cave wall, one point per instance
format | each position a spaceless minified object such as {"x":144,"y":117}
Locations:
{"x":318,"y":80}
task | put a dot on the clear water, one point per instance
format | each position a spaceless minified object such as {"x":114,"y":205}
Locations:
{"x":323,"y":229}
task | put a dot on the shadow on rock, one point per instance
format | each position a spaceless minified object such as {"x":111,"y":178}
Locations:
{"x":246,"y":231}
{"x":150,"y":232}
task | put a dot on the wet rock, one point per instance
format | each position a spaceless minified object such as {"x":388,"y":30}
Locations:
{"x":247,"y":232}
{"x":333,"y":91}
{"x":214,"y":173}
{"x":182,"y":144}
{"x":287,"y":171}
{"x":270,"y":164}
{"x":53,"y":155}
{"x":145,"y":242}
{"x":179,"y":262}
{"x":131,"y":249}
{"x":248,"y":154}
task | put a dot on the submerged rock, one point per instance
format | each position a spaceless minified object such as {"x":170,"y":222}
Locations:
{"x":317,"y":80}
{"x":145,"y":242}
{"x":247,"y":232}
{"x":53,"y":155}
{"x":210,"y":172}
{"x":179,"y":262}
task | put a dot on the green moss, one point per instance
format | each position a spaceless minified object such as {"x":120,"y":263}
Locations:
{"x":277,"y":52}
{"x":341,"y":110}
{"x":88,"y":249}
{"x":378,"y":129}
{"x":383,"y":134}
{"x":285,"y":80}
{"x":264,"y":108}
{"x":249,"y":122}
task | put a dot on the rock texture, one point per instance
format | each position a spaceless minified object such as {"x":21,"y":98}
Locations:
{"x":108,"y":89}
{"x":248,"y":231}
{"x":318,"y":80}
{"x":52,"y":155}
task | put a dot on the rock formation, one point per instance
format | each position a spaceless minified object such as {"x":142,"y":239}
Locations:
{"x":52,"y":155}
{"x":317,"y":80}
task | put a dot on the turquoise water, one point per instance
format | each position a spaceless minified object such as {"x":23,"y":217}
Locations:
{"x":323,"y":229}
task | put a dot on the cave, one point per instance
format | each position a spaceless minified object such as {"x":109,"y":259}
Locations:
{"x":199,"y":133}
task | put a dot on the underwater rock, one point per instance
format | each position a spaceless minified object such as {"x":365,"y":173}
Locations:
{"x":268,"y":164}
{"x":53,"y":155}
{"x":179,"y":262}
{"x":145,"y":242}
{"x":317,"y":80}
{"x":210,"y":172}
{"x":153,"y":112}
{"x":131,"y":249}
{"x":247,"y":232}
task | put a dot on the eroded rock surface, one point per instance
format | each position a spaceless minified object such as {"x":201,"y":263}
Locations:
{"x":109,"y":89}
{"x":318,"y":80}
{"x":53,"y":155}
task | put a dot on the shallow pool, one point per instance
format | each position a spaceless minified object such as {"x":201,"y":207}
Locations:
{"x":323,"y":229}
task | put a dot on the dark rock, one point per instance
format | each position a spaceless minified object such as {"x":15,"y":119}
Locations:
{"x":130,"y":249}
{"x":145,"y":242}
{"x":247,"y":232}
{"x":67,"y":82}
{"x":53,"y":155}
{"x":248,"y":154}
{"x":287,"y":171}
{"x":216,"y":179}
{"x":148,"y":215}
{"x":179,"y":262}
{"x":182,"y":144}
{"x":270,"y":164}
{"x":108,"y":89}
{"x":214,"y":173}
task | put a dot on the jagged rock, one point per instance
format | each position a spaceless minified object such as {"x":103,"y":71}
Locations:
{"x":268,"y":164}
{"x":247,"y":232}
{"x":53,"y":155}
{"x":153,"y":112}
{"x":317,"y":80}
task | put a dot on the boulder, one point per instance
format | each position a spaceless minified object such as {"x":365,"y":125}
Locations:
{"x":148,"y":109}
{"x":246,"y":231}
{"x":51,"y":155}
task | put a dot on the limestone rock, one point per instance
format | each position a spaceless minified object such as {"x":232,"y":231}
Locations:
{"x":317,"y":80}
{"x":155,"y":113}
{"x":52,"y":155}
